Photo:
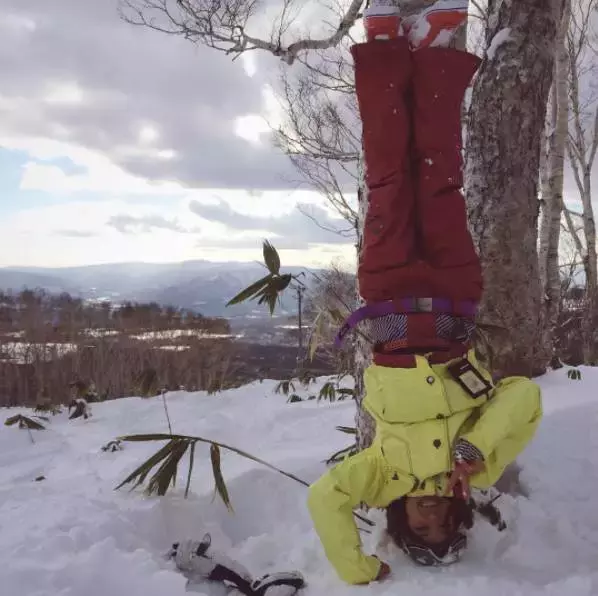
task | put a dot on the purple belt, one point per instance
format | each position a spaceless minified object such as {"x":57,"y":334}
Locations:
{"x":463,"y":308}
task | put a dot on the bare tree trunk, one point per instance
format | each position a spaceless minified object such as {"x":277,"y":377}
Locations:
{"x":583,"y":148}
{"x":502,"y":169}
{"x":590,"y":352}
{"x":552,"y":193}
{"x":366,"y":428}
{"x":582,"y":155}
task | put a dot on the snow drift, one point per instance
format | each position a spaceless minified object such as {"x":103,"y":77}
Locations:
{"x":72,"y":534}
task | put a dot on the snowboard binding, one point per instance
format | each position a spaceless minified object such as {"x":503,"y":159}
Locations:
{"x":285,"y":583}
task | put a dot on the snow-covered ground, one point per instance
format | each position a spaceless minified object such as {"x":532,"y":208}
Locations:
{"x":73,"y":535}
{"x":176,"y":333}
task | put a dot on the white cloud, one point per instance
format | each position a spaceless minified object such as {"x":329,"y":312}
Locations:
{"x":17,"y":23}
{"x":77,"y":233}
{"x":148,"y":134}
{"x":63,"y":93}
{"x":147,"y":139}
{"x":251,"y":128}
{"x":249,"y":64}
{"x":37,"y":236}
{"x":100,"y":173}
{"x":166,"y":154}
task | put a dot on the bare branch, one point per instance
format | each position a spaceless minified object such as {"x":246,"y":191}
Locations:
{"x":321,"y":130}
{"x":573,"y":159}
{"x":573,"y":230}
{"x":223,"y":24}
{"x":350,"y":231}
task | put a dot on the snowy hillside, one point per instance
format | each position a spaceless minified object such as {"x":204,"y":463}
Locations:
{"x":73,"y":535}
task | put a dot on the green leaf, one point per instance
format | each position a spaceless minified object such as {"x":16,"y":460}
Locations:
{"x":220,"y":485}
{"x":574,"y":374}
{"x":294,"y":399}
{"x":349,"y":430}
{"x":281,"y":283}
{"x":150,"y":437}
{"x":191,"y":461}
{"x":327,"y":392}
{"x":142,"y":471}
{"x":251,"y":291}
{"x":24,"y":422}
{"x":145,"y":468}
{"x":342,"y":454}
{"x":284,"y":387}
{"x":166,"y":473}
{"x":271,"y":258}
{"x":269,"y":296}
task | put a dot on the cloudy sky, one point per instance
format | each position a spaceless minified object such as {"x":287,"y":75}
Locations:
{"x":118,"y":143}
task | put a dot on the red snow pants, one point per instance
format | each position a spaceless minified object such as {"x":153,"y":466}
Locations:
{"x":416,"y":240}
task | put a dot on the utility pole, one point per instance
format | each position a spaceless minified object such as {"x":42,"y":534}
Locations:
{"x":299,"y":288}
{"x":300,"y":291}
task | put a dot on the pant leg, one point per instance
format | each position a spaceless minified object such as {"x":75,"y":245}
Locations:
{"x":440,"y":78}
{"x":383,"y":71}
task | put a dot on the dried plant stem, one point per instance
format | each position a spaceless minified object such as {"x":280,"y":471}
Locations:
{"x":166,"y":411}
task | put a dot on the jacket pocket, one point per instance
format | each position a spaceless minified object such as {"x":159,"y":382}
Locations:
{"x":397,"y":395}
{"x":397,"y":455}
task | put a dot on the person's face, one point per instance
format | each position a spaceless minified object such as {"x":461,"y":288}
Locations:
{"x":429,"y":518}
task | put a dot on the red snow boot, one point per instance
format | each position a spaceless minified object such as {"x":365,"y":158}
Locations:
{"x":436,"y":25}
{"x":381,"y":21}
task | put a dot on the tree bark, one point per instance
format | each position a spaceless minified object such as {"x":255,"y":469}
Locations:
{"x":366,"y":427}
{"x":502,"y":169}
{"x":583,"y":148}
{"x":552,"y":193}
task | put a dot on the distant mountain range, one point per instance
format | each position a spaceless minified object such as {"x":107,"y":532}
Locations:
{"x":202,"y":286}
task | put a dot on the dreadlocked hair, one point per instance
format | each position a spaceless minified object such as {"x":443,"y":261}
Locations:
{"x":400,"y":532}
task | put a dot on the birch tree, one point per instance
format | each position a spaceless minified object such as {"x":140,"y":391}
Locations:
{"x":506,"y":123}
{"x":582,"y":149}
{"x":552,"y":190}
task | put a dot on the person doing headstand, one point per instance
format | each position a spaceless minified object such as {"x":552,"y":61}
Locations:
{"x":443,"y":424}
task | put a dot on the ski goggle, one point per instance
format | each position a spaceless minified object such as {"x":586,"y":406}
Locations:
{"x":424,"y":555}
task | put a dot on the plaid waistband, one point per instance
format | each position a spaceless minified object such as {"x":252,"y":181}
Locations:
{"x":405,"y":306}
{"x":395,"y":327}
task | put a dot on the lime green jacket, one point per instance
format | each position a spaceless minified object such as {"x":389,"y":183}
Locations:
{"x":420,"y":413}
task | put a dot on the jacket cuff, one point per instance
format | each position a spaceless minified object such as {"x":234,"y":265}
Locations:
{"x":466,"y":451}
{"x":365,"y":571}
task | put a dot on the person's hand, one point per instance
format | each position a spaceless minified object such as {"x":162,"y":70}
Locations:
{"x":459,"y":479}
{"x":384,"y":571}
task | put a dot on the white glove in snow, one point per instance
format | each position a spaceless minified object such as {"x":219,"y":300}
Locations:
{"x":202,"y":565}
{"x":187,"y":560}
